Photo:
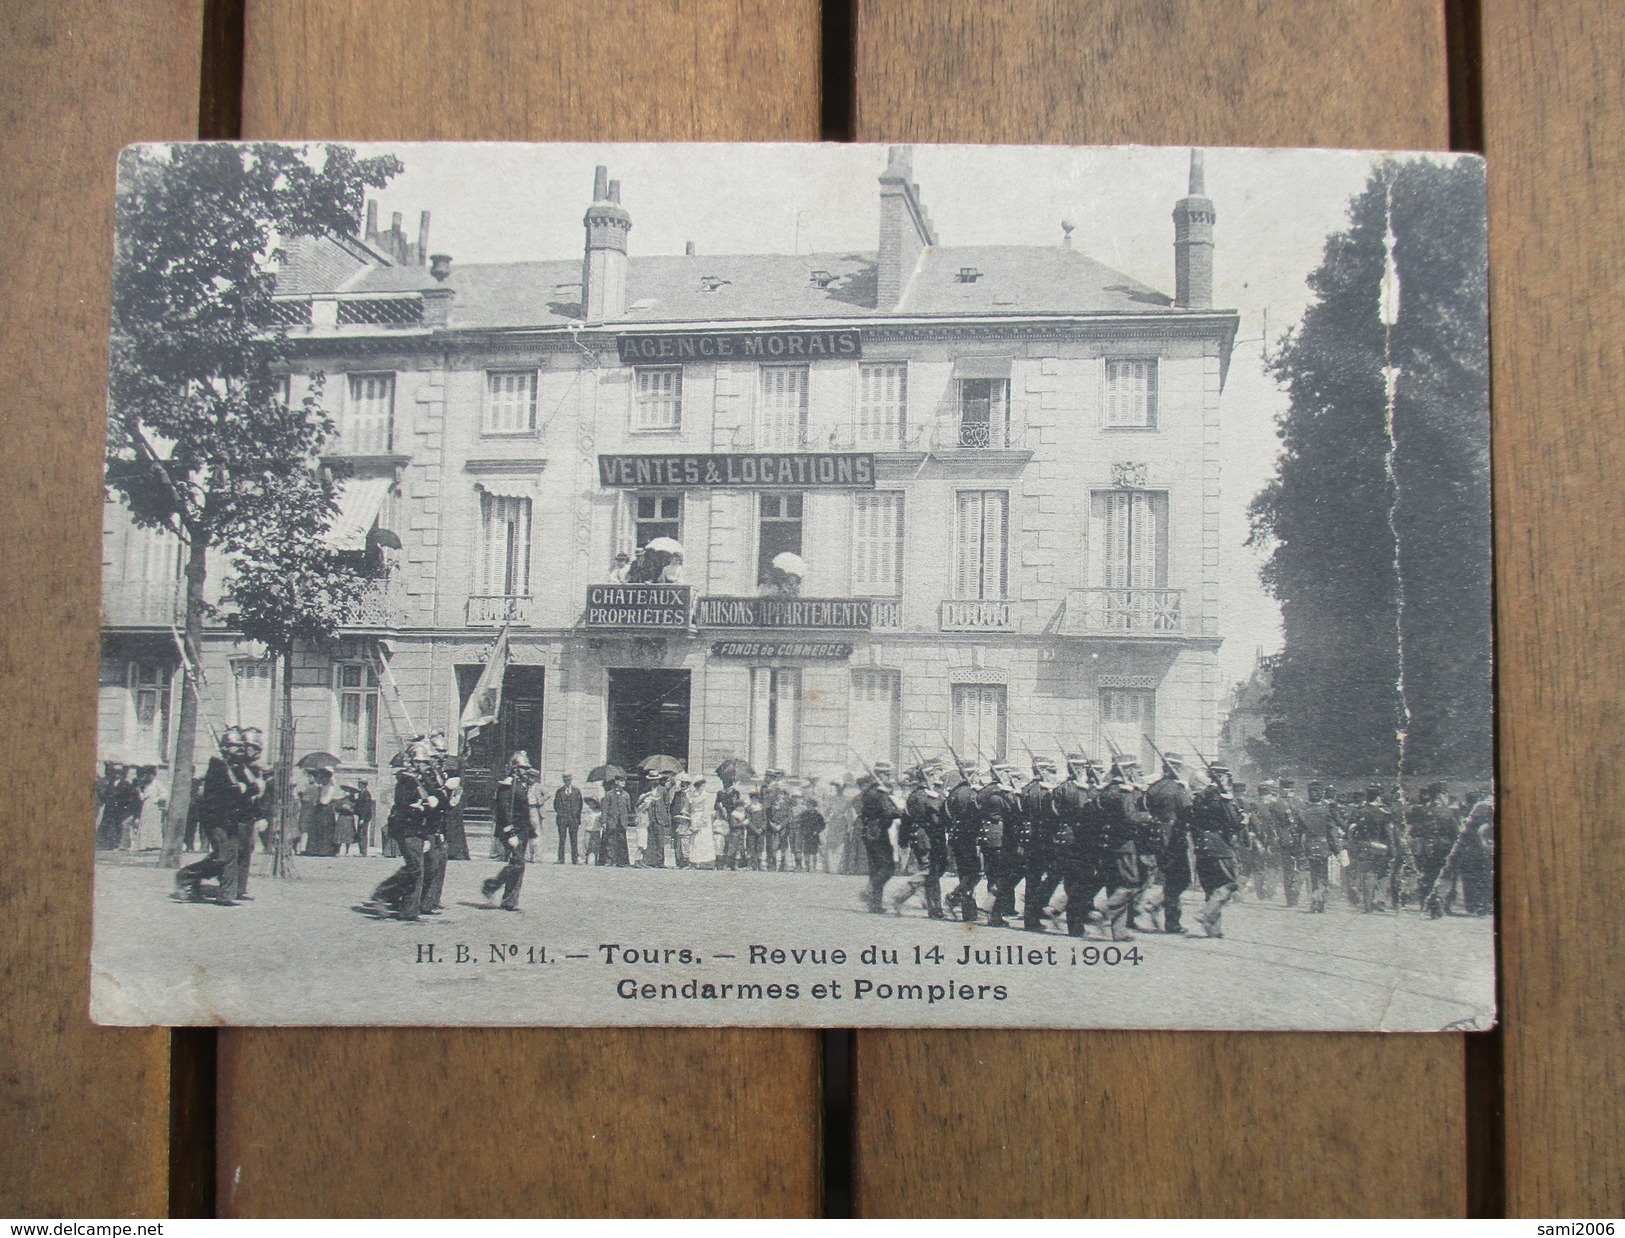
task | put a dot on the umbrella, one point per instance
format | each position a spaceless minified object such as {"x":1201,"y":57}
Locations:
{"x":736,"y":769}
{"x":660,"y":764}
{"x":386,"y":537}
{"x":604,"y":773}
{"x":668,"y":545}
{"x":319,"y":760}
{"x":790,"y":562}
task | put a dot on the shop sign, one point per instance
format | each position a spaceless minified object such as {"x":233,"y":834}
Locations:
{"x":670,"y":347}
{"x":850,"y":614}
{"x":803,"y":470}
{"x":638,"y":606}
{"x":780,"y":649}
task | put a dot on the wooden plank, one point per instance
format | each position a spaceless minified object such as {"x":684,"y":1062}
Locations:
{"x":1554,"y":126}
{"x":500,"y":1121}
{"x":86,"y":1109}
{"x":1104,"y":1124}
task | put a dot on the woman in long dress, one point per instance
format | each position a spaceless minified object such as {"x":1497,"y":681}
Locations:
{"x":318,"y":818}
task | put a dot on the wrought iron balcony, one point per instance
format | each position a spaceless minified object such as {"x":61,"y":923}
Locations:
{"x":383,"y":605}
{"x":142,"y":603}
{"x":984,"y":615}
{"x":492,"y":610}
{"x":1137,"y":612}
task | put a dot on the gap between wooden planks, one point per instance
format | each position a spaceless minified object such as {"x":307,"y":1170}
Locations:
{"x":523,"y":1122}
{"x":85,"y":1109}
{"x":1139,"y":1123}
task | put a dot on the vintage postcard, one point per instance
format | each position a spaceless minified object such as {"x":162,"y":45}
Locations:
{"x":821,"y":585}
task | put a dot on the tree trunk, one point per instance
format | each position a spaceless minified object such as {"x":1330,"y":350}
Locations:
{"x":282,"y":770}
{"x":180,"y":791}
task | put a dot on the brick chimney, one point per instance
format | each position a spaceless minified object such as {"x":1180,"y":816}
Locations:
{"x":1193,"y":242}
{"x":603,"y":269}
{"x":905,"y":228}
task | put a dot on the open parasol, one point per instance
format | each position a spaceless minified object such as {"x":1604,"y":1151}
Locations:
{"x":661,"y":764}
{"x":666,"y":545}
{"x":791,"y":563}
{"x":603,"y":773}
{"x":318,"y":760}
{"x":736,"y":769}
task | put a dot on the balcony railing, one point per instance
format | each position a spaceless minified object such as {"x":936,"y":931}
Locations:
{"x":1140,"y":612}
{"x":492,"y":610}
{"x":981,"y":615}
{"x":142,"y":603}
{"x":382,"y":606}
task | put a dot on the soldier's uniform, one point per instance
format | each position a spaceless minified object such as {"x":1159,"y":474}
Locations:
{"x":1434,"y":830}
{"x":962,"y":811}
{"x":1039,"y":863}
{"x":1217,"y":823}
{"x":928,"y":827}
{"x":1279,"y":833}
{"x":1127,"y":829}
{"x":1000,"y":808}
{"x":1168,"y":801}
{"x":1321,"y":840}
{"x":233,"y":792}
{"x":410,"y":824}
{"x":1075,"y":845}
{"x":1371,"y":849}
{"x":877,"y":813}
{"x":514,"y":829}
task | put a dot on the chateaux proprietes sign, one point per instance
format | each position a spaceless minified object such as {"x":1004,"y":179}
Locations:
{"x":739,"y":346}
{"x":803,"y":470}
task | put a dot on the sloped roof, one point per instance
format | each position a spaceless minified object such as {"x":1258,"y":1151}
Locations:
{"x":1013,"y":279}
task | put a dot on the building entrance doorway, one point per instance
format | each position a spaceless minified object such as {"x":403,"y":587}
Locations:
{"x":648,"y":714}
{"x":518,"y":729}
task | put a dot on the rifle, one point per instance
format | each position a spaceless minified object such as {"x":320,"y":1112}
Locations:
{"x":1156,"y":751}
{"x":1206,"y":764}
{"x":954,"y":755}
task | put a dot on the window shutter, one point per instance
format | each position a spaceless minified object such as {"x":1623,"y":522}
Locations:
{"x":967,"y":544}
{"x":1117,"y":540}
{"x":1142,"y":542}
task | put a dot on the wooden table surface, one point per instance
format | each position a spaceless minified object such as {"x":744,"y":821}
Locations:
{"x":1526,"y":1120}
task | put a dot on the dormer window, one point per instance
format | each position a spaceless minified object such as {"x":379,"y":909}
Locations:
{"x":711,"y":283}
{"x":969,"y":275}
{"x":823,"y":278}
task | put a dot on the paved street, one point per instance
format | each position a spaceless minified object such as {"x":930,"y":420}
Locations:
{"x":301,"y":953}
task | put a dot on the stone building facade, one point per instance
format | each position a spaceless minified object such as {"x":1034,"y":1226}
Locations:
{"x":999,"y":466}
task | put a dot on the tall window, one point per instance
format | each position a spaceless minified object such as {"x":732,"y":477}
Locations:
{"x":775,"y":718}
{"x":781,"y":414}
{"x":877,"y":543}
{"x":658,"y":399}
{"x":510,"y":401}
{"x":778,"y":532}
{"x":1128,"y":716}
{"x":882,"y":413}
{"x":981,"y":559}
{"x":369,"y":415}
{"x":251,"y":692}
{"x":149,"y":698}
{"x":1133,"y":529}
{"x":505,"y":553}
{"x":1131,"y":393}
{"x":978,"y":721}
{"x":984,"y":412}
{"x":876,"y":711}
{"x":357,"y":687}
{"x":657,"y":515}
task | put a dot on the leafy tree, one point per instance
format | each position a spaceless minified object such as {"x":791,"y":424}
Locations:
{"x":1372,"y":558}
{"x":198,"y":436}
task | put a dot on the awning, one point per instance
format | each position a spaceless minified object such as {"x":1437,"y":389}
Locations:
{"x":508,"y":487}
{"x":981,"y":367}
{"x":359,"y":502}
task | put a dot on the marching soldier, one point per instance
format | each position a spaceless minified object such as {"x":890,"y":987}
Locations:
{"x":1278,"y":831}
{"x":514,"y":829}
{"x":878,"y":822}
{"x":1217,"y":822}
{"x":962,"y":811}
{"x":411,"y":825}
{"x":1371,"y":848}
{"x":1126,"y":829}
{"x":927,"y":827}
{"x":1074,"y":855}
{"x":1168,"y":800}
{"x":1322,"y":839}
{"x":1434,"y":829}
{"x":233,"y":790}
{"x":443,"y":790}
{"x":999,"y":805}
{"x":1039,"y":862}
